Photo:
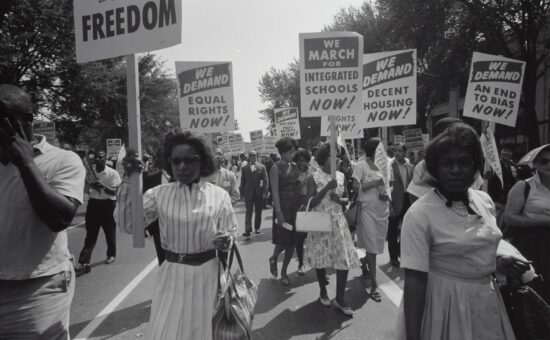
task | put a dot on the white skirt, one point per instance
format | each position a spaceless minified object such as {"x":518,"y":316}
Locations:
{"x":183,"y":303}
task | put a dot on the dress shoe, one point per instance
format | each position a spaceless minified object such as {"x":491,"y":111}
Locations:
{"x":110,"y":260}
{"x":84,"y":268}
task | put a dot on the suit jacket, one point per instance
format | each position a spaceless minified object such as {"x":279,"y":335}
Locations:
{"x":399,"y":190}
{"x":254,"y":184}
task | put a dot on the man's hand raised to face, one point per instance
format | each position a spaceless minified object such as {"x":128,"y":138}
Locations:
{"x":14,"y":142}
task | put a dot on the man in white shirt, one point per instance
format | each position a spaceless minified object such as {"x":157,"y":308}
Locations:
{"x":99,"y":213}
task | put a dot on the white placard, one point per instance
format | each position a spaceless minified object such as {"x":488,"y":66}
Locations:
{"x":349,"y":127}
{"x":331,"y":73}
{"x":257,"y":140}
{"x":494,"y":88}
{"x":205,"y":95}
{"x":287,"y":122}
{"x":398,"y":139}
{"x":389,"y":88}
{"x":489,"y":147}
{"x":269,"y":145}
{"x":413,"y":139}
{"x":108,"y":29}
{"x":46,"y":129}
{"x":113,"y":147}
{"x":235,"y":143}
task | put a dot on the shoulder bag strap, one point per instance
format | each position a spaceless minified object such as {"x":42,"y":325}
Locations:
{"x":526,"y":189}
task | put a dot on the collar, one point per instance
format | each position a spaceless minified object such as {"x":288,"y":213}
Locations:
{"x":42,"y":146}
{"x":199,"y":183}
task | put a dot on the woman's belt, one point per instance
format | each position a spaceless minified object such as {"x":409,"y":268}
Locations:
{"x":190,"y":259}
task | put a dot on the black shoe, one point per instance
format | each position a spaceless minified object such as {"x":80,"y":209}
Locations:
{"x":246,"y":234}
{"x":84,"y":268}
{"x":257,"y":232}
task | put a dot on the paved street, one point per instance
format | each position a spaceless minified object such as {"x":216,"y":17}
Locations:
{"x":114,"y":301}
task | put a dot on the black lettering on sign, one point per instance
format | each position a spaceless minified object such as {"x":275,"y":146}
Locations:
{"x":125,"y":20}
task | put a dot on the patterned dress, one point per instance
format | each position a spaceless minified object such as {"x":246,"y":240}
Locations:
{"x":334,"y":249}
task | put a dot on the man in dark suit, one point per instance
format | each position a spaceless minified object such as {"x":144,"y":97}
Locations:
{"x":402,"y":172}
{"x":254,"y":186}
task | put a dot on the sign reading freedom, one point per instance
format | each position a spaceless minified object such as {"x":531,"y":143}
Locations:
{"x":108,"y":29}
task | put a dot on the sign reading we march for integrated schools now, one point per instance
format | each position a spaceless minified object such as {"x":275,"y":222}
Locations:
{"x":331,"y":73}
{"x":389,"y":88}
{"x":205,"y":95}
{"x":108,"y":29}
{"x":287,"y":122}
{"x":349,"y":127}
{"x":494,"y":88}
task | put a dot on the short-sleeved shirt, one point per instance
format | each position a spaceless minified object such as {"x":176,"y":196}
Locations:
{"x":537,"y":204}
{"x":28,"y":248}
{"x":109,"y":178}
{"x":435,"y":238}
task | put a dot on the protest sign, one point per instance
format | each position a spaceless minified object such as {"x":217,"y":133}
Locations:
{"x":113,"y":147}
{"x":413,"y":139}
{"x":287,"y":122}
{"x":205,"y":95}
{"x":46,"y":129}
{"x":119,"y":158}
{"x":348,"y":126}
{"x":223,"y":143}
{"x":389,"y":88}
{"x":425,"y":138}
{"x":489,"y":147}
{"x":256,"y":138}
{"x":331,"y":72}
{"x":398,"y":139}
{"x":108,"y":29}
{"x":382,"y":162}
{"x":269,"y":145}
{"x":494,"y":88}
{"x":235,"y":143}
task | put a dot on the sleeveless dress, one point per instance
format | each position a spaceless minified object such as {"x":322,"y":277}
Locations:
{"x":290,"y":201}
{"x":334,"y":249}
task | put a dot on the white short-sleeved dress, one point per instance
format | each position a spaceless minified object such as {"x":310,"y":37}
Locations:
{"x":459,"y":254}
{"x":189,"y":217}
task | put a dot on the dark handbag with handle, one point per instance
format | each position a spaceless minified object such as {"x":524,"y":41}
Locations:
{"x":234,"y":309}
{"x":529,"y":314}
{"x":353,"y":214}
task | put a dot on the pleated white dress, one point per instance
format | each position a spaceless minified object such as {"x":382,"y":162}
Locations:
{"x":459,"y":255}
{"x":189,"y":217}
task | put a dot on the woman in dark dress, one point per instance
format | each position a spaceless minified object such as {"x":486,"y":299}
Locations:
{"x":285,"y":187}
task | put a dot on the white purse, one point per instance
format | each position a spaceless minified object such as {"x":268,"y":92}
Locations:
{"x":313,"y":221}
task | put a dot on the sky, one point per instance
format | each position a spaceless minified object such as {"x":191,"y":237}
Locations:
{"x":254,"y":35}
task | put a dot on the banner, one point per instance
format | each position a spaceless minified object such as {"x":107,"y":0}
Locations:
{"x":205,"y":95}
{"x":349,"y":127}
{"x":331,"y":72}
{"x":269,"y":145}
{"x":494,"y":88}
{"x":489,"y":147}
{"x":389,"y":88}
{"x":108,"y":29}
{"x":383,"y":163}
{"x":113,"y":147}
{"x":120,"y":157}
{"x":413,"y":139}
{"x":287,"y":122}
{"x":257,"y":140}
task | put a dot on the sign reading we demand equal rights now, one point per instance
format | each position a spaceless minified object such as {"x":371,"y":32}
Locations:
{"x":108,"y":29}
{"x":494,"y":88}
{"x":205,"y":95}
{"x":287,"y":122}
{"x":389,"y":88}
{"x":331,"y":72}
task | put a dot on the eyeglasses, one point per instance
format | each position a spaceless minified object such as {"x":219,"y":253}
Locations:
{"x":460,"y":164}
{"x":187,"y":160}
{"x":543,"y":161}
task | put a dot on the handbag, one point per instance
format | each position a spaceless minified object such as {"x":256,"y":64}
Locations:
{"x":529,"y":314}
{"x":234,"y":308}
{"x":313,"y":221}
{"x":353,"y":214}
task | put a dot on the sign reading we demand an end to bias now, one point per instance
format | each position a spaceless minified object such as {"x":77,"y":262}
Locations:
{"x":205,"y":95}
{"x":389,"y":88}
{"x":331,"y":73}
{"x":108,"y":29}
{"x":494,"y":88}
{"x":287,"y":122}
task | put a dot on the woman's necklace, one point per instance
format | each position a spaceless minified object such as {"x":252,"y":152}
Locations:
{"x":457,"y":206}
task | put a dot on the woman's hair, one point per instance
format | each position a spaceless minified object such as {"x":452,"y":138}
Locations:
{"x":458,"y":135}
{"x":302,"y":154}
{"x":323,"y":154}
{"x":207,"y":163}
{"x":370,"y":146}
{"x":285,"y":144}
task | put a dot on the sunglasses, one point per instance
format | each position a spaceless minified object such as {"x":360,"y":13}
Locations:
{"x":543,"y":161}
{"x":186,"y":160}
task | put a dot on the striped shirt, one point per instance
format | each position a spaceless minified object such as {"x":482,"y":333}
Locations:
{"x":189,"y":217}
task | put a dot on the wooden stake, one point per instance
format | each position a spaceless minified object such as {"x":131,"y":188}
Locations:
{"x":332,"y":146}
{"x":134,"y":134}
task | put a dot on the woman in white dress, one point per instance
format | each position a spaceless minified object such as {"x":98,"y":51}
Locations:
{"x":196,"y":221}
{"x":375,"y":212}
{"x":449,"y":243}
{"x":333,"y":249}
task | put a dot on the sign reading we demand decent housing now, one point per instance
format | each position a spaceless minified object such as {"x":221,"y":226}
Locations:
{"x":389,"y":88}
{"x":287,"y":122}
{"x":107,"y":29}
{"x":205,"y":95}
{"x":331,"y":72}
{"x":494,"y":88}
